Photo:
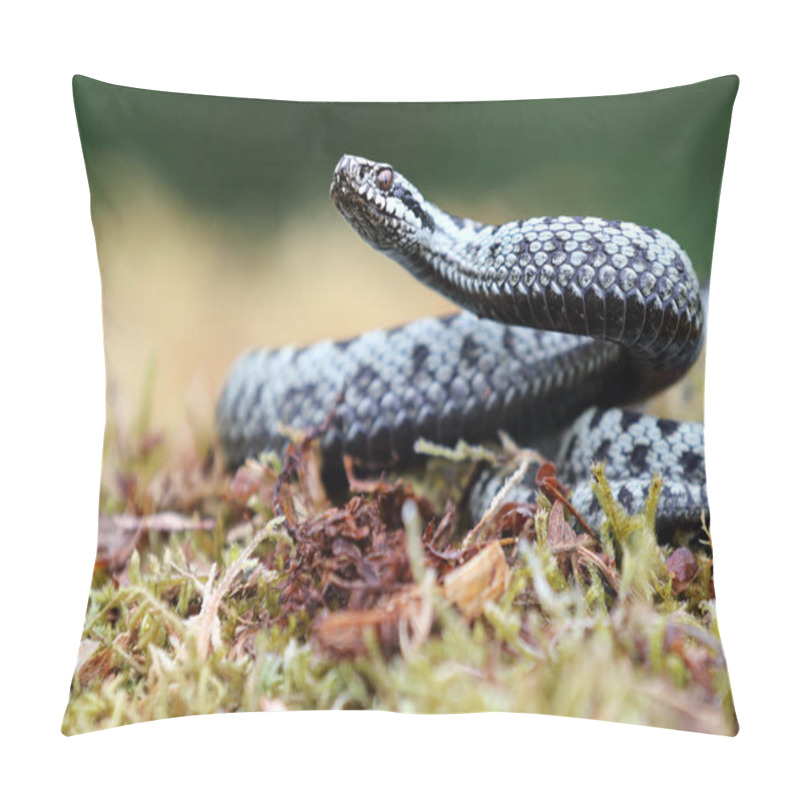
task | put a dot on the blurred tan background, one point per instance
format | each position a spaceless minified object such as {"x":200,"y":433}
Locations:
{"x":182,"y":296}
{"x":215,"y":232}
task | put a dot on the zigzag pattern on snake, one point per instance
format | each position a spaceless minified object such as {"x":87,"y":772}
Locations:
{"x":566,"y":316}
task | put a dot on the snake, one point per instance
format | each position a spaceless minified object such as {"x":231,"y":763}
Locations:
{"x":567,"y":322}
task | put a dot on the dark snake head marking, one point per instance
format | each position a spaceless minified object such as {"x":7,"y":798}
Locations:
{"x":383,"y":207}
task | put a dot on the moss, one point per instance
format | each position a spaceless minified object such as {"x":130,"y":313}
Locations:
{"x":197,"y":622}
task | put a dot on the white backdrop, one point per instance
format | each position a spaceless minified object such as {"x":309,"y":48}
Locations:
{"x":52,"y":396}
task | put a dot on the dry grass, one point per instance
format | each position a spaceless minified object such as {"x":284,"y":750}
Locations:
{"x":216,"y":593}
{"x":204,"y":600}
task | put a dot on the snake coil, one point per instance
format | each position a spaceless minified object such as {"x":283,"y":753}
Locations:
{"x":564,"y":315}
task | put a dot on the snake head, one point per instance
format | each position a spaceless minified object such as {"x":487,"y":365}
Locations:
{"x":384,"y":208}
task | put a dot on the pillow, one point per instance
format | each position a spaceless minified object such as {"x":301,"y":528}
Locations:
{"x":326,"y":484}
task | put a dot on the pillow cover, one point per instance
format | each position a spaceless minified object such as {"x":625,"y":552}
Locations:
{"x":483,"y":489}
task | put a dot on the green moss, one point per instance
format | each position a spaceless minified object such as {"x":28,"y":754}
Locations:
{"x":197,"y":624}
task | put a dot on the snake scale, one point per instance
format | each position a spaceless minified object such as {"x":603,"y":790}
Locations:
{"x":565,"y":319}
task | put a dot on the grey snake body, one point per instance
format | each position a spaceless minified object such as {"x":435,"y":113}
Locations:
{"x":564,"y":315}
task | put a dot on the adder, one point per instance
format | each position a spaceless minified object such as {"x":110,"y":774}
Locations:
{"x":566,"y":318}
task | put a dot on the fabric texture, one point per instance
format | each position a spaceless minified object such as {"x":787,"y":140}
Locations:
{"x":329,"y":483}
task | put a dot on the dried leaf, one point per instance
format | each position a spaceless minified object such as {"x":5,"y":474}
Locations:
{"x":118,"y":535}
{"x":560,"y":536}
{"x":92,"y":661}
{"x":562,"y":539}
{"x":482,"y":580}
{"x":252,"y":479}
{"x":406,"y":616}
{"x":164,"y":521}
{"x":682,"y":566}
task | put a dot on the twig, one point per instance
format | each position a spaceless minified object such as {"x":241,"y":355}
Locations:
{"x":207,"y":621}
{"x":500,"y":497}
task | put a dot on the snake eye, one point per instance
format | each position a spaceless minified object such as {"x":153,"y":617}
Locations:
{"x":383,"y":180}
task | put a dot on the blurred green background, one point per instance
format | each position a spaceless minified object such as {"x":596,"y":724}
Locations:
{"x":215,"y":232}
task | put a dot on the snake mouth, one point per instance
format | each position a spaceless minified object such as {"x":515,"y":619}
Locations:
{"x":353,"y":175}
{"x":354,"y":181}
{"x":366,"y":194}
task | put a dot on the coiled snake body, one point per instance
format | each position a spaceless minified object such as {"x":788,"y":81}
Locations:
{"x":564,"y":315}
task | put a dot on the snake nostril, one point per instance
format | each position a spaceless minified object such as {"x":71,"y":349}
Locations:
{"x":346,"y":168}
